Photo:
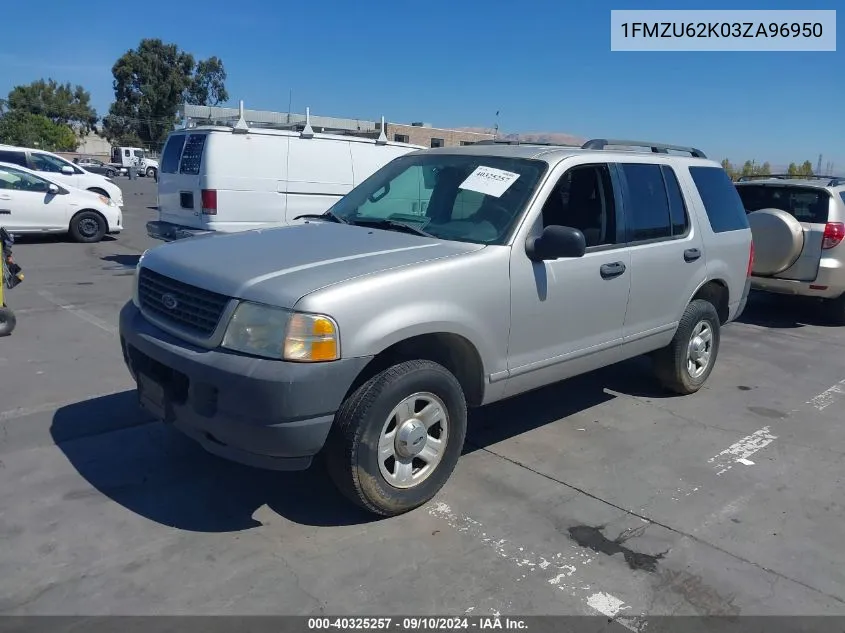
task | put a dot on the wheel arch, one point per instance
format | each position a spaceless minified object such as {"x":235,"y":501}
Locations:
{"x":714,"y":291}
{"x":89,"y":210}
{"x":455,"y":352}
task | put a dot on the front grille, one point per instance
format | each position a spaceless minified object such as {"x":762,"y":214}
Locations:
{"x":195,"y":310}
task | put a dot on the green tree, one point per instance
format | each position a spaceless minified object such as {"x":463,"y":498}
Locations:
{"x":764,"y":170}
{"x":792,"y":170}
{"x":149,"y":84}
{"x":733,"y":174}
{"x":36,"y":130}
{"x":63,"y":104}
{"x":208,"y":86}
{"x":806,"y":169}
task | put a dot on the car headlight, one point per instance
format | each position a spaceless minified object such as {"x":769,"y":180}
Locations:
{"x":107,"y":201}
{"x":282,"y":334}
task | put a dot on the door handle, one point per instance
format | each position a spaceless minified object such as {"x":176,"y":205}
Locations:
{"x":691,"y":254}
{"x":5,"y":212}
{"x":5,"y":197}
{"x":609,"y":271}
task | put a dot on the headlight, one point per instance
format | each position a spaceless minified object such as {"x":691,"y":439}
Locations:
{"x":282,"y":334}
{"x":135,"y":299}
{"x":107,"y":201}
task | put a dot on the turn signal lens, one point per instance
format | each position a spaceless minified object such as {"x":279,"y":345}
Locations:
{"x":311,"y":338}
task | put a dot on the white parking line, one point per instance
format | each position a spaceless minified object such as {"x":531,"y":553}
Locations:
{"x":559,"y":570}
{"x":828,"y":396}
{"x":742,"y":450}
{"x":79,"y":312}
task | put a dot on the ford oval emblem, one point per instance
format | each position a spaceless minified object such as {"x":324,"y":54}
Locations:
{"x":169,"y":301}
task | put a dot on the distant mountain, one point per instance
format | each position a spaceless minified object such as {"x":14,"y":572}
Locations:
{"x":533,"y":137}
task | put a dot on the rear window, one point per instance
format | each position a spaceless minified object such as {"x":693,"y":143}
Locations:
{"x":192,"y":156}
{"x":842,"y":195}
{"x":16,"y":158}
{"x":722,"y":203}
{"x":172,"y":153}
{"x":805,"y":204}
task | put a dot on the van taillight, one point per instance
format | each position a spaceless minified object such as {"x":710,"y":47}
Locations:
{"x":834,"y":233}
{"x":209,"y":202}
{"x":750,"y":260}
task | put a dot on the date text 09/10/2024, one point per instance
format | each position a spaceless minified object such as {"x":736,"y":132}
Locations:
{"x":417,"y":623}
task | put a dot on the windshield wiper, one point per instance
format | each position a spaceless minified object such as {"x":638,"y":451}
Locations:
{"x":328,"y":215}
{"x":392,"y":225}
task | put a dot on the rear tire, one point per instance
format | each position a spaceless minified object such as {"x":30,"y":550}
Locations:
{"x":110,"y":173}
{"x":7,"y":321}
{"x":389,"y":463}
{"x":684,"y":365}
{"x":88,"y":227}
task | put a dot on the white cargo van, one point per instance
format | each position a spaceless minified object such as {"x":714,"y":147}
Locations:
{"x":228,"y":179}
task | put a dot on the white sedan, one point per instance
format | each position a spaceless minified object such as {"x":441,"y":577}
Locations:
{"x":31,"y":203}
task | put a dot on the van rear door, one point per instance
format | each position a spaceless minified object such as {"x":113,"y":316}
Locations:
{"x":809,"y":205}
{"x":179,"y":192}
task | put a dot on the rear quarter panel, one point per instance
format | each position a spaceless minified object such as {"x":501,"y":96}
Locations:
{"x":726,"y":253}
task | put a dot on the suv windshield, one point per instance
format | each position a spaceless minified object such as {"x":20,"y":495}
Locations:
{"x":449,"y":196}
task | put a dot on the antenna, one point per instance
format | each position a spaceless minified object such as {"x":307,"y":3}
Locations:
{"x":382,"y":138}
{"x":308,"y":131}
{"x":241,"y":126}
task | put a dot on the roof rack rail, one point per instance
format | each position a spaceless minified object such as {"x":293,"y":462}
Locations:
{"x":519,"y":142}
{"x":833,"y":181}
{"x":657,"y":148}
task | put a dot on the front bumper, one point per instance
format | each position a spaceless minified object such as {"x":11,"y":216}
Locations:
{"x":169,"y":232}
{"x":263,"y":413}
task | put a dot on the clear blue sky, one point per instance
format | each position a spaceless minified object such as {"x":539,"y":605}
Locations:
{"x":547,"y":66}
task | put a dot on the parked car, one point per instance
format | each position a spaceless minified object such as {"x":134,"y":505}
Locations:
{"x":33,"y":203}
{"x":450,"y":278}
{"x":799,"y":228}
{"x":220,"y":179}
{"x":96,"y":166}
{"x":62,"y":171}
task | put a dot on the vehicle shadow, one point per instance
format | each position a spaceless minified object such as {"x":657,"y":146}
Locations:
{"x":129,"y":261}
{"x":52,"y":238}
{"x":784,"y":312}
{"x":154,"y":471}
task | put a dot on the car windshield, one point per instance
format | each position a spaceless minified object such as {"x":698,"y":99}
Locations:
{"x":460,"y":197}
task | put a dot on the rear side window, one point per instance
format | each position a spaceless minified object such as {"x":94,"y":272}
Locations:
{"x":172,"y":154}
{"x":805,"y":204}
{"x":646,"y":202}
{"x":192,"y":156}
{"x":16,"y":158}
{"x":842,"y":195}
{"x":677,"y":207}
{"x":722,"y":203}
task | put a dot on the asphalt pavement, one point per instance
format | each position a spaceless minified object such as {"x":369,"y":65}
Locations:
{"x":596,"y":495}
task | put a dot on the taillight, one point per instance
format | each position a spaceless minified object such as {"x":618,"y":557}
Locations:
{"x":750,"y":260}
{"x":209,"y":201}
{"x":834,"y":233}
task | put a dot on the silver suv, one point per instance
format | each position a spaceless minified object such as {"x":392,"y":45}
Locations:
{"x":799,"y":227}
{"x":452,"y":277}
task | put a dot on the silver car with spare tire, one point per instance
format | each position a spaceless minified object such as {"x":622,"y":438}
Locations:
{"x":450,"y":278}
{"x":798,"y":225}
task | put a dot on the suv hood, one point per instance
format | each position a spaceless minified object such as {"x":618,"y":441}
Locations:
{"x":279,"y":266}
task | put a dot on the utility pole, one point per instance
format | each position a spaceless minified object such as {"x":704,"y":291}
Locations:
{"x":496,"y":127}
{"x":819,"y":165}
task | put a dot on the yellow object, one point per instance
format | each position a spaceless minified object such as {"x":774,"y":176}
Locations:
{"x":311,"y":338}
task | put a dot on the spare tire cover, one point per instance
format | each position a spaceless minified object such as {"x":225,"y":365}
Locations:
{"x":778,"y":240}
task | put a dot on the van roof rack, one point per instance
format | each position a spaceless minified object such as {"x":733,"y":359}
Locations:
{"x":832,"y":181}
{"x":657,"y":148}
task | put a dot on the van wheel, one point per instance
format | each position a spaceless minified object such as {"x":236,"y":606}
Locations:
{"x":397,"y":438}
{"x":110,"y":173}
{"x":7,"y":321}
{"x":87,"y":227}
{"x":151,"y":172}
{"x":684,"y":365}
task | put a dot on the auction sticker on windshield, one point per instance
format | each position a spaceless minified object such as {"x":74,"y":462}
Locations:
{"x":489,"y":181}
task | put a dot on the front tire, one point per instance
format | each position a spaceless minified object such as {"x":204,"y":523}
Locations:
{"x":88,"y":227}
{"x":7,"y":320}
{"x":151,"y":172}
{"x":110,"y":173}
{"x":397,"y":438}
{"x":684,"y":365}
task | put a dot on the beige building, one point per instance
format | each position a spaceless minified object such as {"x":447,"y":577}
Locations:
{"x":426,"y":135}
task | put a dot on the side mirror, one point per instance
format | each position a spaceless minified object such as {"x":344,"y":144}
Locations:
{"x":556,"y":242}
{"x":53,"y":190}
{"x":67,"y":170}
